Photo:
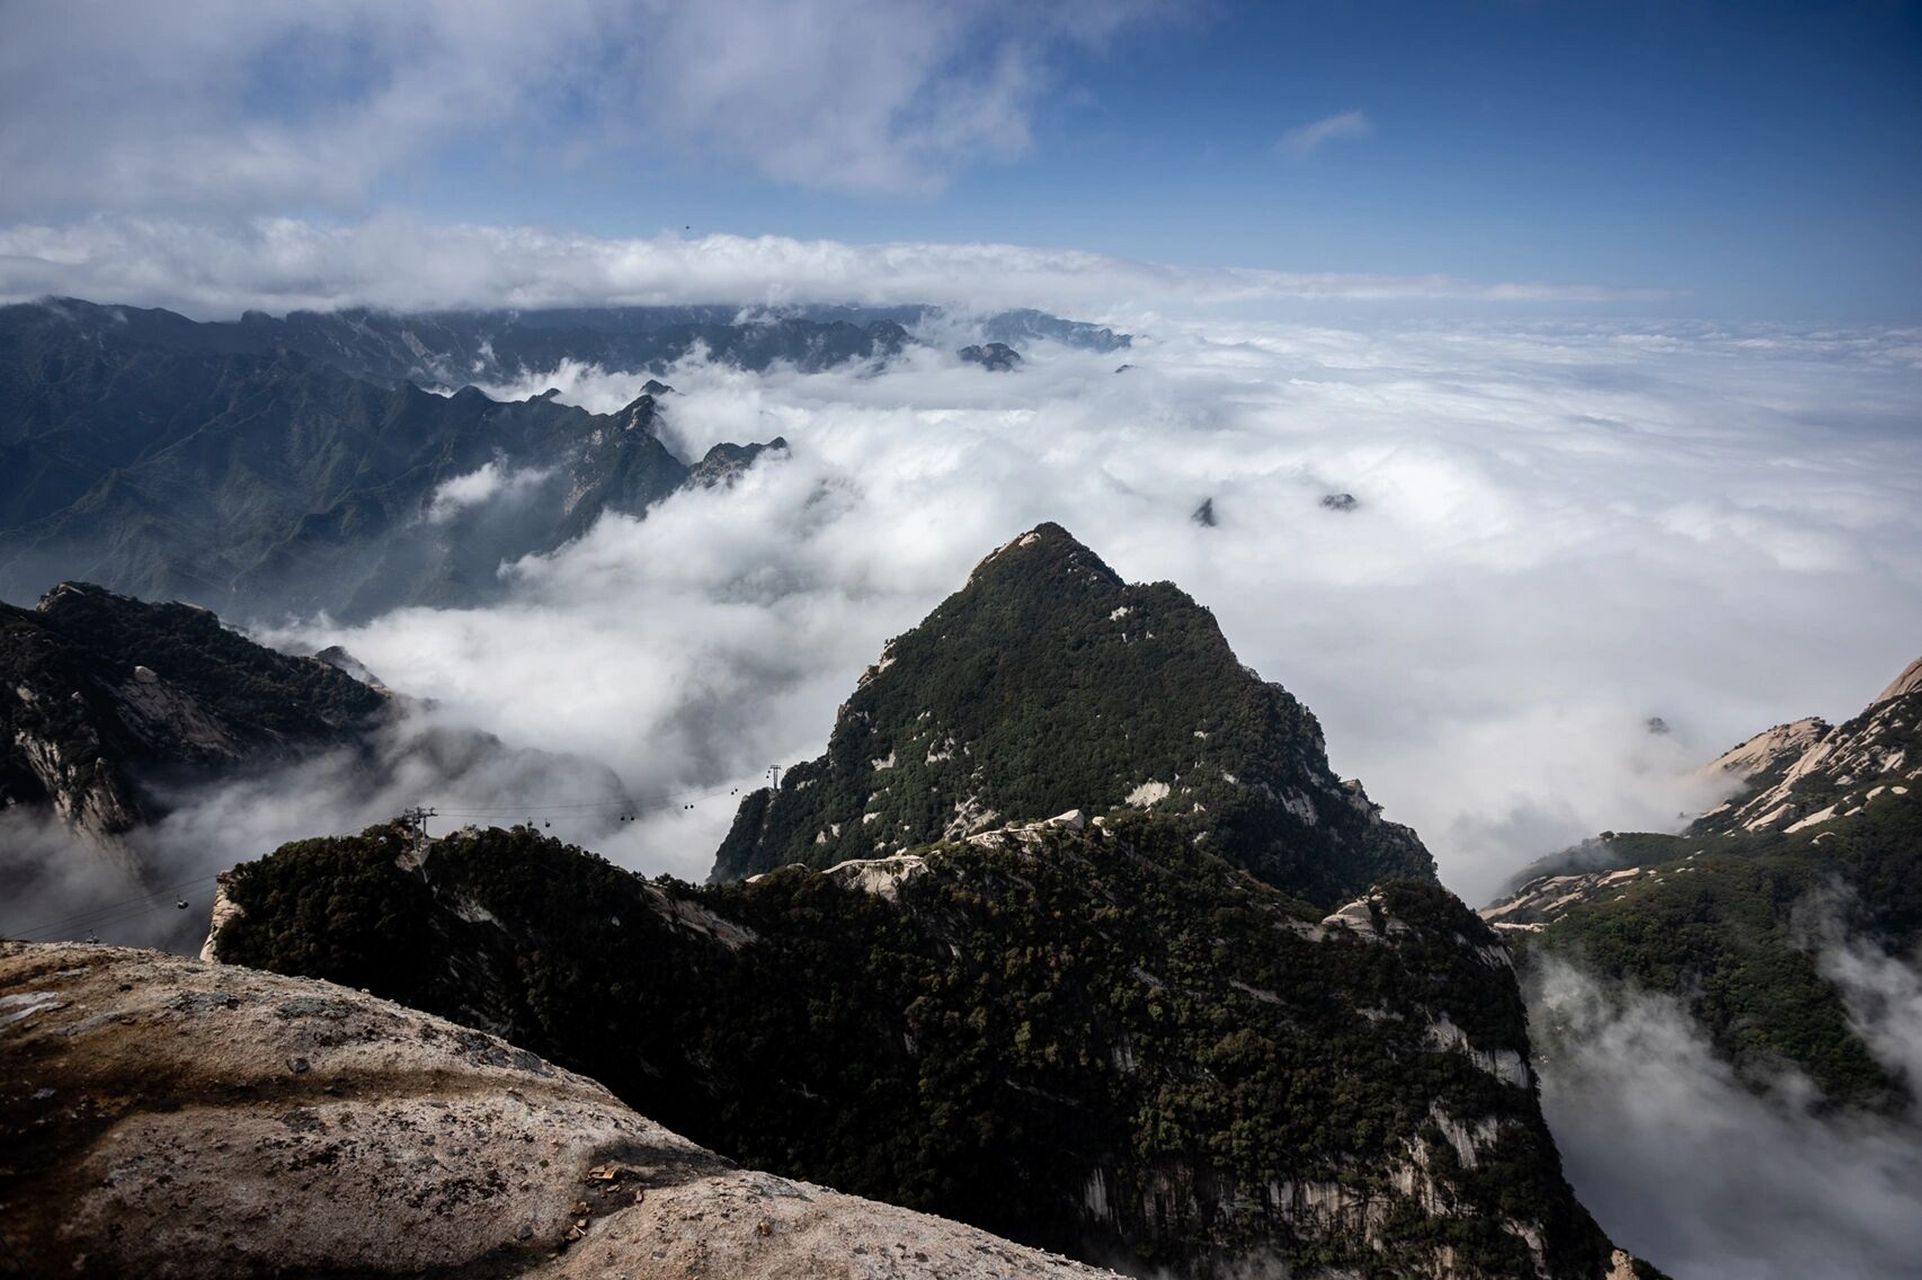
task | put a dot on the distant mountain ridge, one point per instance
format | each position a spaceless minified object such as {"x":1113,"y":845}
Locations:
{"x":289,"y":465}
{"x":1047,"y":684}
{"x":260,"y":484}
{"x":452,"y":349}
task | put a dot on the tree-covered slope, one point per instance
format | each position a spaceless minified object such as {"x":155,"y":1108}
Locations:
{"x":1047,"y":684}
{"x":1736,"y":915}
{"x":1106,"y":1040}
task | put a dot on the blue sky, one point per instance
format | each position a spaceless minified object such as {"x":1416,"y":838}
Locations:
{"x":1763,"y":161}
{"x":1764,"y":158}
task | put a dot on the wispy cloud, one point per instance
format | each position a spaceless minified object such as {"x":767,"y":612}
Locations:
{"x":1683,"y":1164}
{"x":1307,"y":138}
{"x":237,"y":107}
{"x":277,"y":264}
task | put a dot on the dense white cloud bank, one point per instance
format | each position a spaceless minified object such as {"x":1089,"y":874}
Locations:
{"x":215,"y":270}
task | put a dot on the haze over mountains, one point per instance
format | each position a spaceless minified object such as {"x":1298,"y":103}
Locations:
{"x":277,"y":466}
{"x":1759,"y":965}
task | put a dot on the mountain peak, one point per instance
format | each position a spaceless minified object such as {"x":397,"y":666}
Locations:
{"x":1045,"y":549}
{"x":1810,"y":772}
{"x":62,"y":593}
{"x":1048,"y":684}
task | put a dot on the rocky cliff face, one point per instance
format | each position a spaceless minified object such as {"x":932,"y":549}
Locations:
{"x":99,"y":692}
{"x":164,"y":1118}
{"x":1047,"y":684}
{"x":1095,"y":1038}
{"x":1799,"y":775}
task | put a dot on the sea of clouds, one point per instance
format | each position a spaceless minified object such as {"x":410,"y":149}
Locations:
{"x":1560,"y":532}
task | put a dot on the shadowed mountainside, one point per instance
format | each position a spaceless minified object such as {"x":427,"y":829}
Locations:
{"x":104,"y":693}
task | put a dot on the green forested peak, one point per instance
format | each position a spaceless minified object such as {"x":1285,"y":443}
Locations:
{"x":1048,"y":683}
{"x":1046,"y":553}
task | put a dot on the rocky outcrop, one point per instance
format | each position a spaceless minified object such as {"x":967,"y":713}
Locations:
{"x":882,"y":877}
{"x":225,"y":911}
{"x":1542,"y":901}
{"x":1910,"y":681}
{"x":1768,"y":752}
{"x":996,"y":357}
{"x":1802,"y":774}
{"x":724,"y":464}
{"x":97,"y":691}
{"x":167,"y":1118}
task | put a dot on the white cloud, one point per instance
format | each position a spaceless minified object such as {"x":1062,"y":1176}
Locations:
{"x":216,"y":270}
{"x":1882,"y":993}
{"x":1683,"y":1165}
{"x":1305,"y":139}
{"x":58,"y":888}
{"x":485,"y":483}
{"x":238,"y":106}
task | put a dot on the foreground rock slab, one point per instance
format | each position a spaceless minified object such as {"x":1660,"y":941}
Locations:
{"x":165,"y":1117}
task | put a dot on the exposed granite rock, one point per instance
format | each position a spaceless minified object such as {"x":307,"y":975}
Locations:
{"x":1801,"y":774}
{"x":167,"y":1118}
